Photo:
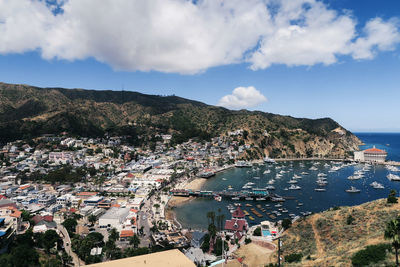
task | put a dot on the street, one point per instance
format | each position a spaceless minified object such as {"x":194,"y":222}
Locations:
{"x":67,"y":245}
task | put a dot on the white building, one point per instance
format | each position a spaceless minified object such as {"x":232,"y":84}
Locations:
{"x":114,"y":218}
{"x":371,"y":155}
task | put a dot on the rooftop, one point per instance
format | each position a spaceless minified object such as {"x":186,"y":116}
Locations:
{"x":169,"y":258}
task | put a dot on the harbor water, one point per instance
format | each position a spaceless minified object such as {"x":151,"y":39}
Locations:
{"x":306,"y":199}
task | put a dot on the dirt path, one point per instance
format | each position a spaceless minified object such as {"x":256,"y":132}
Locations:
{"x":318,"y":243}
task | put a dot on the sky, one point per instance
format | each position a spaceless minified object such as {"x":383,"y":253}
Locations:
{"x":303,"y":58}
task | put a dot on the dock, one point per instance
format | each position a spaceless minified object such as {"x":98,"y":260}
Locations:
{"x":257,"y":194}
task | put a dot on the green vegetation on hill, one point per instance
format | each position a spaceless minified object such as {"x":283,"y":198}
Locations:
{"x":27,"y":111}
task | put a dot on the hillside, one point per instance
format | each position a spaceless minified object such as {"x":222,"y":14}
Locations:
{"x":27,"y":111}
{"x":327,"y":239}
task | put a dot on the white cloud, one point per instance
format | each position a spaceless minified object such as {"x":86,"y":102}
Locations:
{"x":185,"y":37}
{"x":242,"y":97}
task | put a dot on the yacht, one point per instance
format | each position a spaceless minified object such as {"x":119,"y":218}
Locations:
{"x":355,"y":177}
{"x":278,"y":205}
{"x":271,"y":181}
{"x":292,"y":182}
{"x":377,"y":185}
{"x":260,"y":199}
{"x":304,"y":173}
{"x":256,"y":177}
{"x":270,"y":187}
{"x":296,"y":176}
{"x":313,"y":168}
{"x":353,"y":190}
{"x":320,"y":189}
{"x":267,"y":171}
{"x":217,"y":198}
{"x":230,"y":187}
{"x":268,"y":160}
{"x":321,"y":174}
{"x":393,"y":177}
{"x":236,"y":198}
{"x":249,"y":198}
{"x":242,"y":164}
{"x":294,"y":187}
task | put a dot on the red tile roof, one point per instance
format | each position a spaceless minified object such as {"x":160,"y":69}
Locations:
{"x":126,"y":233}
{"x":374,"y":151}
{"x":235,"y":225}
{"x":238,"y":213}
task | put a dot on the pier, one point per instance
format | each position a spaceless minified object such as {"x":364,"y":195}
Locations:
{"x":255,"y":194}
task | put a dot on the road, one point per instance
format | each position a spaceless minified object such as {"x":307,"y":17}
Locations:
{"x":145,"y":216}
{"x":67,"y":245}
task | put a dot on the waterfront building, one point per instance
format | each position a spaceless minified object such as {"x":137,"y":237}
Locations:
{"x":371,"y":155}
{"x":237,"y":226}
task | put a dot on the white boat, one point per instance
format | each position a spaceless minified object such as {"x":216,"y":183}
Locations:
{"x":392,"y":168}
{"x":260,"y":199}
{"x":230,"y":187}
{"x":393,"y":177}
{"x":304,"y":173}
{"x":270,"y":187}
{"x":250,"y":183}
{"x":267,"y":171}
{"x":268,"y":160}
{"x":353,"y":190}
{"x":271,"y":181}
{"x":292,"y":182}
{"x":235,"y":198}
{"x":256,"y":177}
{"x":294,"y":187}
{"x":249,"y":198}
{"x":224,"y":179}
{"x":377,"y":185}
{"x":296,"y":176}
{"x":321,"y":174}
{"x":218,"y":198}
{"x":320,"y":189}
{"x":355,"y":177}
{"x":313,"y":168}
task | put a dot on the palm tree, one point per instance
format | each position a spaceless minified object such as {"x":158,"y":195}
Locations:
{"x":392,"y":232}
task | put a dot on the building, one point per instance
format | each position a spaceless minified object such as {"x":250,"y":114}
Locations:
{"x":370,"y":155}
{"x":237,"y":226}
{"x":114,"y":217}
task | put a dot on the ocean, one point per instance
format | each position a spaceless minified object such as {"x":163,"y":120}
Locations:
{"x":193,"y":214}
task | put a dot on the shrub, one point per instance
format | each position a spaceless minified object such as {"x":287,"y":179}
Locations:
{"x":392,"y":197}
{"x":349,"y":220}
{"x":247,"y":241}
{"x":295,"y":257}
{"x":257,"y":231}
{"x":370,"y":254}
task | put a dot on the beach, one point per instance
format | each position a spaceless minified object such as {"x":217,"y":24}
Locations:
{"x":195,"y":184}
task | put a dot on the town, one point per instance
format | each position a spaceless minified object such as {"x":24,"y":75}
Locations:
{"x":110,"y":193}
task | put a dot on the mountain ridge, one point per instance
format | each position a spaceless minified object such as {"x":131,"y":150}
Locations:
{"x":29,"y":111}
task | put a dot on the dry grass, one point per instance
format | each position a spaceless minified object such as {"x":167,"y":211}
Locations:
{"x":327,"y":240}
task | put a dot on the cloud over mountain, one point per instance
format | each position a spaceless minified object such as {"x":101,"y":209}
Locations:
{"x":242,"y":97}
{"x":188,"y":37}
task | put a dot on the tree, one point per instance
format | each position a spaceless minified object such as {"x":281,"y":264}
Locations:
{"x":66,"y":259}
{"x":92,"y":219}
{"x":257,"y":231}
{"x":70,"y":224}
{"x":392,"y":232}
{"x":114,"y":235}
{"x":135,"y":241}
{"x":392,"y":197}
{"x":24,"y":256}
{"x":286,"y":223}
{"x":50,"y":239}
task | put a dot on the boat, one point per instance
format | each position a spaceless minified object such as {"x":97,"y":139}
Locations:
{"x":353,"y":190}
{"x":285,"y":211}
{"x":237,"y":204}
{"x":206,"y":174}
{"x":292,"y":182}
{"x":260,"y":199}
{"x":217,"y":198}
{"x":270,"y":187}
{"x":268,"y":160}
{"x":278,"y":205}
{"x":393,"y":177}
{"x":320,"y":189}
{"x":300,"y":204}
{"x":266,"y":171}
{"x":304,"y":173}
{"x":224,"y":179}
{"x":296,"y":176}
{"x":321,"y":174}
{"x":249,"y":198}
{"x":251,"y":218}
{"x":248,"y":205}
{"x":355,"y":177}
{"x":271,"y":181}
{"x":230,"y":187}
{"x":294,"y":187}
{"x":256,"y":177}
{"x":377,"y":185}
{"x":313,"y":168}
{"x":236,"y":198}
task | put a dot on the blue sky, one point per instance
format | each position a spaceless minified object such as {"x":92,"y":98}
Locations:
{"x":359,"y":90}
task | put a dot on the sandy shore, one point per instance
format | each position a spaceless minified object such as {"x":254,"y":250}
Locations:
{"x":195,"y":184}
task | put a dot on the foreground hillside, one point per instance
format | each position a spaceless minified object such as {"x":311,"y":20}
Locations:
{"x":330,"y":238}
{"x":27,"y":111}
